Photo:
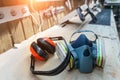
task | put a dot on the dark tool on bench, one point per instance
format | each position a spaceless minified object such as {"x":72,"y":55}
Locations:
{"x":79,"y":11}
{"x":89,"y":11}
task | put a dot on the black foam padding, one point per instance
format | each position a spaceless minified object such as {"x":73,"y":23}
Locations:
{"x":39,"y":51}
{"x":42,"y":43}
{"x":81,"y":16}
{"x":103,"y":17}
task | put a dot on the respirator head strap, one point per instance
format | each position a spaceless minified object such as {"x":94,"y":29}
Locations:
{"x":80,"y":31}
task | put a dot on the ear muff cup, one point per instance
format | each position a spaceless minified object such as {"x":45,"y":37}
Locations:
{"x":37,"y":52}
{"x":46,"y":44}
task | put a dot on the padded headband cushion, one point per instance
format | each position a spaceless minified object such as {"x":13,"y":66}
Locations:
{"x":46,"y":44}
{"x":37,"y":52}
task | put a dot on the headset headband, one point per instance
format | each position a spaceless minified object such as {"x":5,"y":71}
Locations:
{"x":58,"y":69}
{"x":80,"y":31}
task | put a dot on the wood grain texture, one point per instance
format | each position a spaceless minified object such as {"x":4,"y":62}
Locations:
{"x":45,"y":24}
{"x":16,"y":31}
{"x":1,"y":4}
{"x":9,"y":2}
{"x":28,"y":28}
{"x":35,"y":22}
{"x":13,"y":2}
{"x":5,"y":39}
{"x":60,"y":16}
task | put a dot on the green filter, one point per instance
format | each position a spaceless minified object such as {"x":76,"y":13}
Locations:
{"x":99,"y":53}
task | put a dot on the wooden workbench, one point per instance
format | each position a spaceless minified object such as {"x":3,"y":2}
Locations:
{"x":15,"y":63}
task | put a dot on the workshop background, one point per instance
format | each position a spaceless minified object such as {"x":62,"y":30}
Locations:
{"x":24,"y":21}
{"x":15,"y":30}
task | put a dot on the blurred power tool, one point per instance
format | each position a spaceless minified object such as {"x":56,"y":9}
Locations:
{"x":79,"y":11}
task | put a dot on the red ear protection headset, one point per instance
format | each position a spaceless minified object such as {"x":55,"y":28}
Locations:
{"x":41,"y":49}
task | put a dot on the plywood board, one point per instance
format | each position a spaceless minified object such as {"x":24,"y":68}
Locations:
{"x":52,"y":20}
{"x":35,"y":22}
{"x":9,"y":2}
{"x":45,"y":24}
{"x":60,"y":16}
{"x":1,"y":4}
{"x":13,"y":2}
{"x":16,"y":31}
{"x":68,"y":16}
{"x":27,"y":26}
{"x":5,"y":39}
{"x":78,"y":3}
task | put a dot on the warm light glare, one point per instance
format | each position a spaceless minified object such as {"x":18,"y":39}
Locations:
{"x":47,"y":0}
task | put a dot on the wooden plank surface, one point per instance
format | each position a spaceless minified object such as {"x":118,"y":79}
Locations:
{"x":12,"y":2}
{"x":9,"y":2}
{"x":28,"y":28}
{"x":35,"y":21}
{"x":5,"y":38}
{"x":16,"y":31}
{"x":60,"y":16}
{"x":45,"y":24}
{"x":68,"y":16}
{"x":1,"y":4}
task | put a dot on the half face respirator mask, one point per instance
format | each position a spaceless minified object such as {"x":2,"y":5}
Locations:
{"x":86,"y":54}
{"x":82,"y":53}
